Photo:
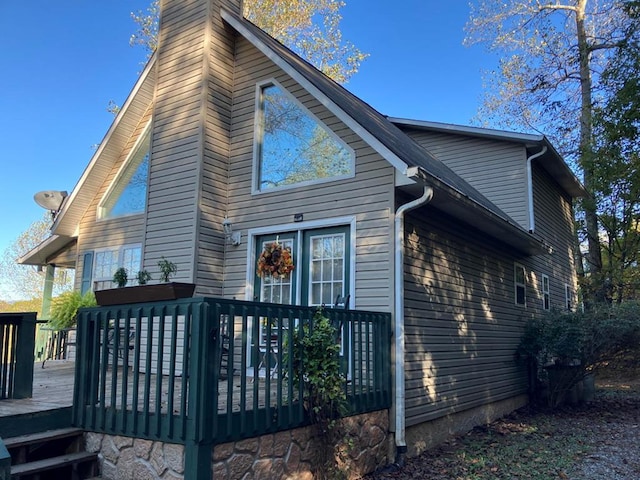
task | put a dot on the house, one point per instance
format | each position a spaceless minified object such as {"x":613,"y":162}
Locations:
{"x":461,"y":233}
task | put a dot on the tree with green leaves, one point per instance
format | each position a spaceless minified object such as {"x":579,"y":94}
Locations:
{"x":616,"y":167}
{"x":311,"y":28}
{"x":549,"y":79}
{"x":24,"y":281}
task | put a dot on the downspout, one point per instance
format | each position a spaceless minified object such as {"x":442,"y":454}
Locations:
{"x":532,"y":221}
{"x":401,"y":442}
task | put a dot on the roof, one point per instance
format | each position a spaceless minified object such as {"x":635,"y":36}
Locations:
{"x":453,"y":194}
{"x":389,"y":140}
{"x":50,"y":247}
{"x":551,"y":161}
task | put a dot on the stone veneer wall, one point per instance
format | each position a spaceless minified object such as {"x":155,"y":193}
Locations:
{"x":290,"y":455}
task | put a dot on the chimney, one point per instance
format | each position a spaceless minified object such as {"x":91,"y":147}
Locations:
{"x":190,"y":136}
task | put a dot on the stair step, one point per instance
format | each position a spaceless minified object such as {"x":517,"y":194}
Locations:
{"x":46,"y":436}
{"x":52,"y":463}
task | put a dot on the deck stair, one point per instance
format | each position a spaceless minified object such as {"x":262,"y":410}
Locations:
{"x":53,"y":454}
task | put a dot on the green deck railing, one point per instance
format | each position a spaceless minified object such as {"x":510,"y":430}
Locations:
{"x":17,"y":343}
{"x":204,"y":371}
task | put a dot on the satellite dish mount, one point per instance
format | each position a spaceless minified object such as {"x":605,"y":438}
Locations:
{"x":50,"y":200}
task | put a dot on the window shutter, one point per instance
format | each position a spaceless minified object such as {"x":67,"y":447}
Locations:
{"x":87,"y":268}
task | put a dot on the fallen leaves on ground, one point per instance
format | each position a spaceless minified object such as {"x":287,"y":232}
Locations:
{"x":540,"y":445}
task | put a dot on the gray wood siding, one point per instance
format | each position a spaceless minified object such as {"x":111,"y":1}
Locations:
{"x":461,"y":323}
{"x":215,"y":168}
{"x":368,"y":196}
{"x":496,"y":169}
{"x":553,"y":213}
{"x":176,"y":142}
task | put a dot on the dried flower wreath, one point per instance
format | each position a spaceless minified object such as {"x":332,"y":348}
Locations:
{"x":275,"y":261}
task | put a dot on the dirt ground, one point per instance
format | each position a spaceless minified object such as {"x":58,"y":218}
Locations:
{"x":596,"y":441}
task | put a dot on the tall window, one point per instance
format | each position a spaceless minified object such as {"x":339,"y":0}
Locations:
{"x":128,"y":193}
{"x":568,"y":297}
{"x":520,"y":280}
{"x":546,"y":302}
{"x":107,"y":261}
{"x":293,"y":146}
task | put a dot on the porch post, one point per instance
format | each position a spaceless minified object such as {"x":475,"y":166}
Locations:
{"x":48,"y":291}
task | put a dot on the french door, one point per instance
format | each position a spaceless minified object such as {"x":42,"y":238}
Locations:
{"x":321,"y":258}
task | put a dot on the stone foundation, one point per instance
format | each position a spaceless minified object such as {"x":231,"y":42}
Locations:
{"x":133,"y":458}
{"x":291,"y":455}
{"x":430,"y":434}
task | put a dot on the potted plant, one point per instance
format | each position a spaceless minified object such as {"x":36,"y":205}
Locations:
{"x":120,"y":277}
{"x":144,"y":292}
{"x":143,"y":277}
{"x":167,"y":269}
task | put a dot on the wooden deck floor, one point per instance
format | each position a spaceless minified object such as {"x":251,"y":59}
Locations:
{"x":52,"y":389}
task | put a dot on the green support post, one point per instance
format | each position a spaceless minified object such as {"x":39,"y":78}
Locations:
{"x":47,"y":292}
{"x":25,"y":346}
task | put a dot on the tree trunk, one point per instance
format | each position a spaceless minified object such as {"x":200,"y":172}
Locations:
{"x":594,"y":257}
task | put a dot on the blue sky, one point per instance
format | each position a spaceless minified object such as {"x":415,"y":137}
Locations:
{"x":64,"y":61}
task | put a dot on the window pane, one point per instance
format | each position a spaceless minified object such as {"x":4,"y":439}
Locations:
{"x":277,"y":290}
{"x":520,"y":295}
{"x":327,"y":268}
{"x":295,"y":146}
{"x":129,"y":195}
{"x":326,"y":271}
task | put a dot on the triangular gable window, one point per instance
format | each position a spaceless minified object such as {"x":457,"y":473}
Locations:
{"x":293,"y":146}
{"x":128,"y":193}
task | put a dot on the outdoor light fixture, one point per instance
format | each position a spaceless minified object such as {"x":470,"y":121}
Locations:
{"x":229,"y":234}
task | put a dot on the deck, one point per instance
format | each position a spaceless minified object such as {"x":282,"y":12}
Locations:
{"x":52,"y":390}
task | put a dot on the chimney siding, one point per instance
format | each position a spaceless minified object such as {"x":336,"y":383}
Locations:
{"x":187,"y":197}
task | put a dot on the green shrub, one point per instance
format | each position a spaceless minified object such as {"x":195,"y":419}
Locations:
{"x":316,"y":363}
{"x":583,"y":340}
{"x":64,"y":308}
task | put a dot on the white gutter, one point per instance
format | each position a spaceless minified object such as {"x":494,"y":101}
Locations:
{"x":401,"y":442}
{"x":532,"y":220}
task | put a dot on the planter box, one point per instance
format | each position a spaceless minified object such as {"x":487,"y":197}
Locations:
{"x":144,"y":293}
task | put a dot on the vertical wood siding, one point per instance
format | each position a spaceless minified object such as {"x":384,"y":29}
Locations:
{"x":461,"y":324}
{"x":368,"y":196}
{"x":496,"y":169}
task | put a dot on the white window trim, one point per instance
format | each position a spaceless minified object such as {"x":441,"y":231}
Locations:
{"x":515,"y":285}
{"x":146,"y":131}
{"x":546,"y":293}
{"x":257,"y":142}
{"x":300,"y":227}
{"x":120,"y":249}
{"x":568,"y":297}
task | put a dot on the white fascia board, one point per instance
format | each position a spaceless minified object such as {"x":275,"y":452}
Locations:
{"x":378,"y":146}
{"x":96,"y":156}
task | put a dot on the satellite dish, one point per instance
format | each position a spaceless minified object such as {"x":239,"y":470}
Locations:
{"x":50,"y":199}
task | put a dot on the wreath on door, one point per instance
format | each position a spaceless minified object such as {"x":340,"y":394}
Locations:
{"x":275,"y":261}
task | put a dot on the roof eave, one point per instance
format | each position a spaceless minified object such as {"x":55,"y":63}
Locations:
{"x":40,"y":255}
{"x":59,"y":224}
